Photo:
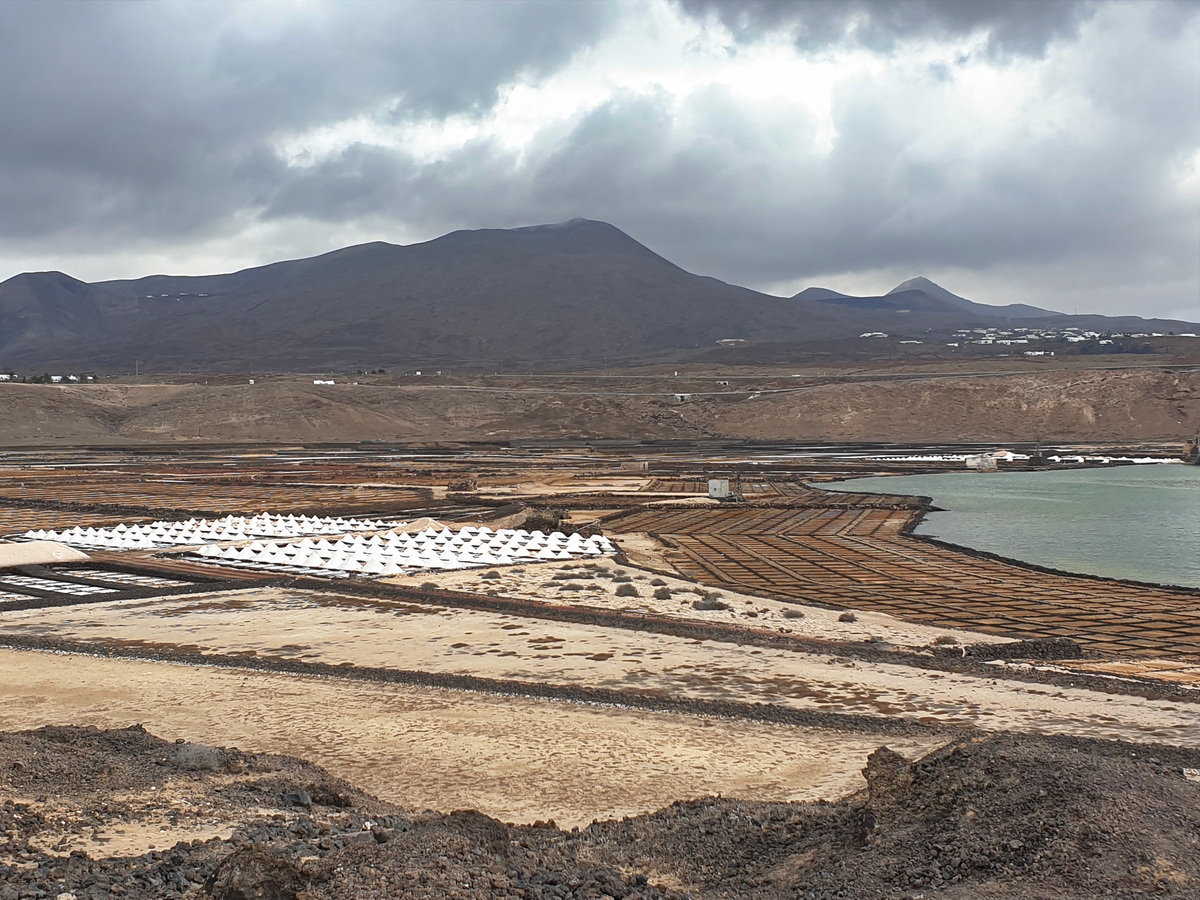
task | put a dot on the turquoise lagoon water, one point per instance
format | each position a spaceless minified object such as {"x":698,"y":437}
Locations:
{"x":1136,"y":522}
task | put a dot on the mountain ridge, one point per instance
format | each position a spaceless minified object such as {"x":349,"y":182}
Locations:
{"x":922,"y":294}
{"x":571,"y":293}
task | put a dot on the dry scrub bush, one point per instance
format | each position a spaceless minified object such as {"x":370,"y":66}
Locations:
{"x":944,"y":639}
{"x":658,"y":582}
{"x":847,"y":617}
{"x":662,"y":593}
{"x":198,"y":758}
{"x":793,"y":614}
{"x":627,"y":590}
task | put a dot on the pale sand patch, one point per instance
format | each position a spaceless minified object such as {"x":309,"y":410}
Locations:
{"x":335,"y":629}
{"x":536,"y":581}
{"x":643,"y":551}
{"x":513,"y":758}
{"x":1185,"y":673}
{"x":130,"y":837}
{"x":624,"y":485}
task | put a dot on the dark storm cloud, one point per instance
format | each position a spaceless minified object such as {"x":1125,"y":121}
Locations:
{"x":156,"y":118}
{"x":1021,"y":27}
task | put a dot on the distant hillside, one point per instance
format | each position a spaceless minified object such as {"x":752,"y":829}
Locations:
{"x":38,"y":309}
{"x":923,"y":296}
{"x":546,"y":296}
{"x":1075,"y":405}
{"x":552,"y":295}
{"x":936,"y":291}
{"x":819,"y":293}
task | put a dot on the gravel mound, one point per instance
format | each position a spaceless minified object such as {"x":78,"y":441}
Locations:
{"x":1009,"y":816}
{"x":1013,"y":817}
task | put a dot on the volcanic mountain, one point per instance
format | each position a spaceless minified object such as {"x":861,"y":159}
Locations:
{"x":545,"y":296}
{"x":923,"y":296}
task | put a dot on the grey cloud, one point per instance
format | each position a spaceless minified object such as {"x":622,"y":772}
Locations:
{"x":154,"y":123}
{"x":714,"y":190}
{"x":712,"y":187}
{"x":1013,"y":27}
{"x":132,"y":118}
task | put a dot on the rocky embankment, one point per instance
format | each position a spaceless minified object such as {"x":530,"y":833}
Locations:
{"x":91,"y":815}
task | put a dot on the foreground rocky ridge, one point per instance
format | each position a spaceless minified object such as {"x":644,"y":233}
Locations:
{"x":1010,"y":816}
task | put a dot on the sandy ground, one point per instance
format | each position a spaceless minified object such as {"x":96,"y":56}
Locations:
{"x":512,"y":758}
{"x":385,"y":634}
{"x":152,"y":823}
{"x":1173,"y":670}
{"x":591,"y":584}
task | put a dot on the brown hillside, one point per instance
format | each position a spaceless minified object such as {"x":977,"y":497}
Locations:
{"x":1065,"y":405}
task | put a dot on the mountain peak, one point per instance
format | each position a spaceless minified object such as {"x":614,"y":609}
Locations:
{"x":936,"y":291}
{"x":920,"y":283}
{"x":931,"y":289}
{"x":577,"y":236}
{"x":51,"y":277}
{"x":818,"y":293}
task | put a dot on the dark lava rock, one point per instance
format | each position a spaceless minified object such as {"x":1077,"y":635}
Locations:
{"x":1003,"y":817}
{"x":1045,"y":648}
{"x":255,"y":874}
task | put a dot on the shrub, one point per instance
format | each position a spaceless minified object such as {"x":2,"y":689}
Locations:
{"x":490,"y":574}
{"x":662,"y":593}
{"x":709,"y":603}
{"x":622,"y":579}
{"x":943,"y":639}
{"x":198,"y":758}
{"x":627,"y":590}
{"x":847,"y":617}
{"x":793,"y":614}
{"x":658,"y":582}
{"x":429,"y":585}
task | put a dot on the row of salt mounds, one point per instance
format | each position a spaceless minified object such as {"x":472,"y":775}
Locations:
{"x":398,"y":553}
{"x":204,"y":531}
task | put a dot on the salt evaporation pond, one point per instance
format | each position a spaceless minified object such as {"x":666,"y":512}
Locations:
{"x":1134,"y":522}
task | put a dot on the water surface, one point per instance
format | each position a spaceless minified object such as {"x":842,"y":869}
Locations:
{"x":1134,"y":522}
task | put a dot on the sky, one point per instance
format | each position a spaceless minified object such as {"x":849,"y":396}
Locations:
{"x":1036,"y":151}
